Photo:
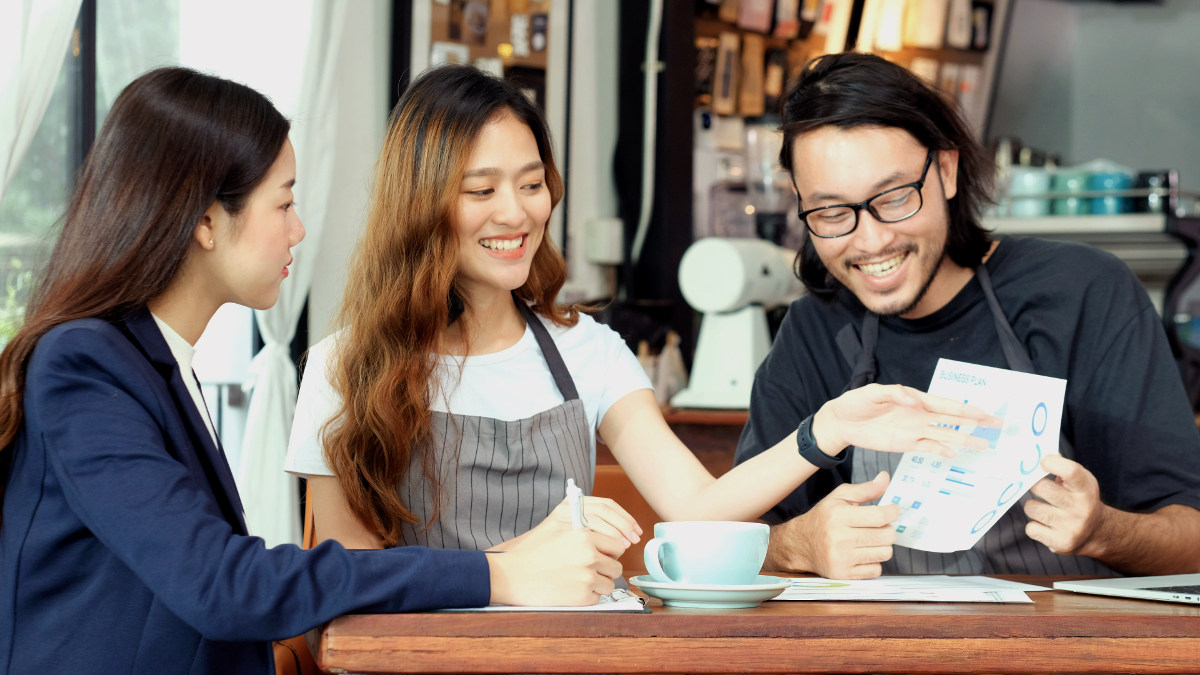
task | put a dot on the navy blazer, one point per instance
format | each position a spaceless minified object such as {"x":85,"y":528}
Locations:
{"x":123,"y":548}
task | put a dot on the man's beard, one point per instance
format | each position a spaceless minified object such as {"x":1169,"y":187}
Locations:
{"x":937,"y":267}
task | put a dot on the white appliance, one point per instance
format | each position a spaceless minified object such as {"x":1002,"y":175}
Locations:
{"x":732,"y":282}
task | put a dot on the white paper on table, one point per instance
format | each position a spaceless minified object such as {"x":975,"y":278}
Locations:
{"x":914,"y":588}
{"x":620,"y":600}
{"x":948,"y":504}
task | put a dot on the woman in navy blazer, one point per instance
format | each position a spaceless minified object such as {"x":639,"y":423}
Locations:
{"x":122,"y":546}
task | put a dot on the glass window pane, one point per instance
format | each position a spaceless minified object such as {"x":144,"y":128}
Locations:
{"x":35,"y":200}
{"x":132,"y":36}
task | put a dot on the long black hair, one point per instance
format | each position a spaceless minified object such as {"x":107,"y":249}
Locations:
{"x":175,"y":142}
{"x":850,"y":90}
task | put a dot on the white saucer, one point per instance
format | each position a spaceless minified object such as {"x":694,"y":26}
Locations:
{"x":712,"y":596}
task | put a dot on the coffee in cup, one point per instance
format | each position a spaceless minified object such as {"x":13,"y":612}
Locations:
{"x":709,"y":552}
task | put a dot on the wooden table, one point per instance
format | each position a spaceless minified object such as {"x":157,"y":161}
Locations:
{"x":1060,"y":632}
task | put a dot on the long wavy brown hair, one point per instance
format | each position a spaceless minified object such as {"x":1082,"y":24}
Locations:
{"x":174,"y":142}
{"x":401,"y":289}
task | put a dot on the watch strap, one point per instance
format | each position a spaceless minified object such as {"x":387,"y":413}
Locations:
{"x":806,"y":445}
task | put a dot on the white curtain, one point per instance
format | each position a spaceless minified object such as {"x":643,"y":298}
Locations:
{"x":34,"y":35}
{"x":270,"y":496}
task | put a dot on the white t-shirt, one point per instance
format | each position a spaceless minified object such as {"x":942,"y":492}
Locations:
{"x":511,"y":384}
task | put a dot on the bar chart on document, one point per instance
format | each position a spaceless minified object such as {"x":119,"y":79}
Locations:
{"x":948,"y":504}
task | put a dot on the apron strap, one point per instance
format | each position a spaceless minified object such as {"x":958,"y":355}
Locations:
{"x":1014,"y":352}
{"x":562,"y":377}
{"x":861,"y":356}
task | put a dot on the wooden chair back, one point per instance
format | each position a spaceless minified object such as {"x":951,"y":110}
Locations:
{"x":612,"y":482}
{"x":293,"y":656}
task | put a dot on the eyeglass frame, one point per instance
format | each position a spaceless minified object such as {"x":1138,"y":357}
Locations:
{"x":866,"y":204}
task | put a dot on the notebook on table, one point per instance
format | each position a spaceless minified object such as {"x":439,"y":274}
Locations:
{"x":1168,"y":588}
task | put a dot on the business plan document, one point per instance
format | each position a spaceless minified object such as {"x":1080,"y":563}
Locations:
{"x":947,"y":505}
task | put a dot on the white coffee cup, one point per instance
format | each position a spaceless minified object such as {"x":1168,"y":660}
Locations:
{"x":710,"y":552}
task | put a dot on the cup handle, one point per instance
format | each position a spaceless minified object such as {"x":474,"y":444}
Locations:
{"x":653,"y":564}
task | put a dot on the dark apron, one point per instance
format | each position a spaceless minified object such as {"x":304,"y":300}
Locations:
{"x":501,"y":478}
{"x":1004,"y":548}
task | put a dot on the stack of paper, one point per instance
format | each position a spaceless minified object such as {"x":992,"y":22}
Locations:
{"x":916,"y":588}
{"x":619,"y":600}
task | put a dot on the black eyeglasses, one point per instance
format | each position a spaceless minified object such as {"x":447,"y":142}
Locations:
{"x":889,"y":206}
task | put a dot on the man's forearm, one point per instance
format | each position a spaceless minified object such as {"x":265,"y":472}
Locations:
{"x":1164,"y":542}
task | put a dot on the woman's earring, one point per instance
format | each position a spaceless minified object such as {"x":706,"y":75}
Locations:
{"x":210,"y":242}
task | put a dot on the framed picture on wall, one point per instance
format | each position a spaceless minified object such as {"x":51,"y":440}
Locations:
{"x":446,"y":53}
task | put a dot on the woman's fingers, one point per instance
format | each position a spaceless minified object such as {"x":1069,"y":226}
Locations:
{"x":605,"y":515}
{"x":957,"y":409}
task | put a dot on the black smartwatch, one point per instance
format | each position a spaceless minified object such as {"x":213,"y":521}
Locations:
{"x":806,"y":444}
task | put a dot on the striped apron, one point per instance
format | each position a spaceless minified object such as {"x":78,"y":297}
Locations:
{"x":501,"y":478}
{"x":1004,"y":549}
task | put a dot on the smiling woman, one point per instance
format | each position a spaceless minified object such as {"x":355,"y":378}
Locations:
{"x":455,"y":263}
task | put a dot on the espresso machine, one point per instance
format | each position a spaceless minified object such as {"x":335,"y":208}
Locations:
{"x":742,"y":192}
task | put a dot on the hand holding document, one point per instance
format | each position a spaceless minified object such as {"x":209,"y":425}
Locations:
{"x":948,"y":504}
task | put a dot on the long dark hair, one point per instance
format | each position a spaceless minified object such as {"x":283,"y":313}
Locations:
{"x":175,"y":142}
{"x":396,"y":308}
{"x":850,"y":90}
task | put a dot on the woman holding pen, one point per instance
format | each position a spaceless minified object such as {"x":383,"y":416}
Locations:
{"x":458,"y":395}
{"x":122,"y":546}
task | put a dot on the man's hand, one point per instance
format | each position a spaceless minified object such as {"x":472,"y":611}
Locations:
{"x":1067,"y":512}
{"x":838,"y":538}
{"x":1069,"y":518}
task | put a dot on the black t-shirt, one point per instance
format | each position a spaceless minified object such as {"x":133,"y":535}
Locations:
{"x":1081,"y":314}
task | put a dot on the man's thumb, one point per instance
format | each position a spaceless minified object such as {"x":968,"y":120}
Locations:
{"x":859,"y":493}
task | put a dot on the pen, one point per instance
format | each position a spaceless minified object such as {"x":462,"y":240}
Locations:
{"x":575,"y":502}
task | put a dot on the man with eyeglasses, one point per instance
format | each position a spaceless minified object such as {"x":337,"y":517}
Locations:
{"x":900,"y":273}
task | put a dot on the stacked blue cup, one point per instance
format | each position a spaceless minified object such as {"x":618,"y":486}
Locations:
{"x":1111,"y":180}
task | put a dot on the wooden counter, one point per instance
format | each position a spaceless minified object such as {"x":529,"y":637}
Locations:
{"x":1059,"y":632}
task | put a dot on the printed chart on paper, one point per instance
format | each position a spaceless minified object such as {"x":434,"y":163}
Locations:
{"x":948,"y":504}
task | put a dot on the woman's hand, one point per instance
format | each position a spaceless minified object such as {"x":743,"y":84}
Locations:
{"x":895,"y":418}
{"x":602,"y":515}
{"x":552,"y":565}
